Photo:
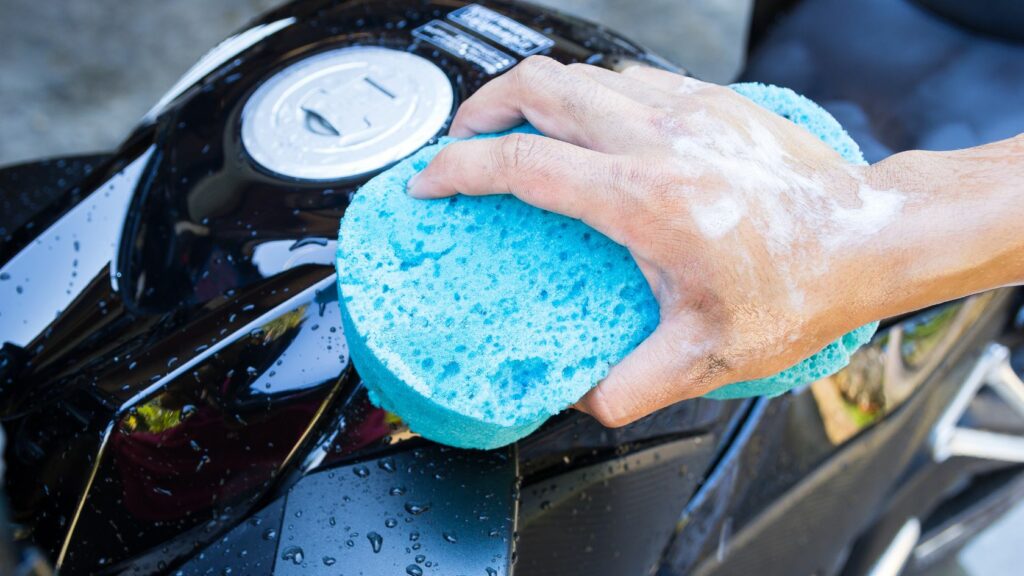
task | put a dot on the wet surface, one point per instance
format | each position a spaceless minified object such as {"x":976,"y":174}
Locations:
{"x":429,"y":511}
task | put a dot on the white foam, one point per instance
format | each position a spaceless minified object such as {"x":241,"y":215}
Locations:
{"x":877,"y":209}
{"x":745,"y":175}
{"x":719,"y":218}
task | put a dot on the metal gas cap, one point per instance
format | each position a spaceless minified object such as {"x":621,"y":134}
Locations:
{"x":345,"y":112}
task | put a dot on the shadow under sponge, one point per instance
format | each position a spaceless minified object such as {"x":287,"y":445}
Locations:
{"x":475,"y":319}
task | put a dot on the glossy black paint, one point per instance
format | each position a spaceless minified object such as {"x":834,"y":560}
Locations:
{"x":571,"y":522}
{"x":28,"y":190}
{"x":435,"y":508}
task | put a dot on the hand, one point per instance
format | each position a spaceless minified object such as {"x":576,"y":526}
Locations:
{"x":747,"y":227}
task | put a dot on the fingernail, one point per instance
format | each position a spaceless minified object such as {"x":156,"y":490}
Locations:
{"x":411,"y":186}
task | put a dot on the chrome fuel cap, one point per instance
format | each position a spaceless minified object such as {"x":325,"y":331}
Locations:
{"x":345,"y":112}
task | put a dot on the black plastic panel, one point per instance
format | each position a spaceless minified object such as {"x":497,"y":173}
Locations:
{"x":249,"y":549}
{"x":428,"y":511}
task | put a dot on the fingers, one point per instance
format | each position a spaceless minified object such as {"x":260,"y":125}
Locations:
{"x":561,"y":103}
{"x":642,"y":92}
{"x":667,"y":367}
{"x":546,"y":173}
{"x":664,"y":80}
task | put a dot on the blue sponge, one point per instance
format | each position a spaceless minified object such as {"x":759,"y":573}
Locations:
{"x":477,"y":318}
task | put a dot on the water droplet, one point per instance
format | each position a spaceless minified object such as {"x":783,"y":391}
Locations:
{"x":416,"y":509}
{"x":387,"y":465}
{"x":397,"y":491}
{"x":203,"y":461}
{"x":187,"y":410}
{"x":328,"y":561}
{"x":270,"y":534}
{"x":361,"y":471}
{"x":491,"y":571}
{"x":414,"y":536}
{"x":376,"y":541}
{"x":293,"y":553}
{"x":420,"y":558}
{"x":350,"y":543}
{"x":332,"y":521}
{"x":449,"y":537}
{"x":413,"y":570}
{"x":391,"y":522}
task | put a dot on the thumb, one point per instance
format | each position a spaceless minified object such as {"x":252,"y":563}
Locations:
{"x":667,"y":367}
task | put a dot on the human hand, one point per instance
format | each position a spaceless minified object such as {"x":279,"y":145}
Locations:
{"x":738,"y":219}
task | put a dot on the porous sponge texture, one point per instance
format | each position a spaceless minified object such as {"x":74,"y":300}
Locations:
{"x":477,"y":318}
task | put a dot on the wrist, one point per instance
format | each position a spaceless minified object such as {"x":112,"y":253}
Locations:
{"x":904,"y":264}
{"x":957,"y":232}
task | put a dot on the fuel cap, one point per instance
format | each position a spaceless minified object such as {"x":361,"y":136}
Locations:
{"x":345,"y":112}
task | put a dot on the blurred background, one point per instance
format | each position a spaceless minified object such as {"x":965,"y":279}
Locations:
{"x":76,"y":76}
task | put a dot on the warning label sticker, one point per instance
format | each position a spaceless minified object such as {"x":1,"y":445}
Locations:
{"x":462,"y":45}
{"x":502,"y":29}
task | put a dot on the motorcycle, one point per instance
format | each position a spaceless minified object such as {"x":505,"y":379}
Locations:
{"x":177,"y":397}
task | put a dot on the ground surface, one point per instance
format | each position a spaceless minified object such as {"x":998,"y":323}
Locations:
{"x":75,"y":76}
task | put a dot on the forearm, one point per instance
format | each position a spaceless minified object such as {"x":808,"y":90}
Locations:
{"x":961,"y":230}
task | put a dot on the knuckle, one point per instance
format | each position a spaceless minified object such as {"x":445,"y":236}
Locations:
{"x":629,"y":175}
{"x":518,"y":154}
{"x":580,"y":67}
{"x":628,"y":192}
{"x":654,"y":202}
{"x":716,"y":90}
{"x":663,"y":123}
{"x":646,"y":184}
{"x":534,"y":70}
